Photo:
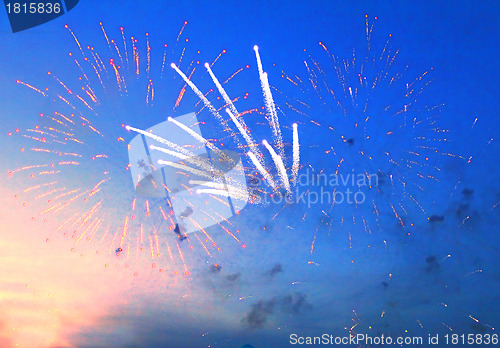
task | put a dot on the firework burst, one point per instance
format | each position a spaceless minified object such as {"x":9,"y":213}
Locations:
{"x":381,"y":140}
{"x":78,"y":172}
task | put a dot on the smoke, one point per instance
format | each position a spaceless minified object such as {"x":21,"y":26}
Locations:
{"x":259,"y":313}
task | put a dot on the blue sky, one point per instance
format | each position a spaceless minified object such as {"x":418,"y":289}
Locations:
{"x":458,"y":40}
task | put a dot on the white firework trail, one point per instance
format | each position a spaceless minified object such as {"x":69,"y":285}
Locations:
{"x":223,"y":93}
{"x":269,"y":103}
{"x":278,"y":161}
{"x":271,"y":115}
{"x":232,"y":191}
{"x":241,"y":128}
{"x":195,"y":160}
{"x":206,"y":102}
{"x":219,"y":186}
{"x":169,"y":152}
{"x":261,"y":170}
{"x":200,"y":139}
{"x":296,"y":154}
{"x":235,"y":195}
{"x":251,"y":143}
{"x":186,"y":168}
{"x":233,"y":113}
{"x":189,"y":156}
{"x":193,"y":133}
{"x":161,"y":140}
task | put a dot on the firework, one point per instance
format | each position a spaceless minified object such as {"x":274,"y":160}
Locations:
{"x":381,"y":141}
{"x":80,"y":175}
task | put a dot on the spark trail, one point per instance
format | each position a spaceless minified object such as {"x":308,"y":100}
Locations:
{"x":360,"y":106}
{"x":241,"y":126}
{"x":200,"y":139}
{"x":272,"y":115}
{"x":233,"y":113}
{"x":262,"y":170}
{"x":279,"y":165}
{"x":204,"y":99}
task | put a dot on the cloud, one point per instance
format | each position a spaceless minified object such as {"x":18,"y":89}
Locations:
{"x":137,"y":327}
{"x":260,"y":311}
{"x":233,"y":277}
